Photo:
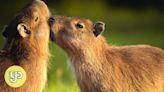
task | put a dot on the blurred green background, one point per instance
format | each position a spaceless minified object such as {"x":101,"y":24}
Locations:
{"x":128,"y":22}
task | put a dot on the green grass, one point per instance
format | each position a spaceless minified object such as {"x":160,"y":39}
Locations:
{"x":151,"y":37}
{"x":60,"y":78}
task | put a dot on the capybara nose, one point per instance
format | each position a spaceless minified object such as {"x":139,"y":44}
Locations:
{"x":51,"y":21}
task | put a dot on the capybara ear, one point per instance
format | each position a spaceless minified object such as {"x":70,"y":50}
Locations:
{"x":8,"y":31}
{"x":99,"y":28}
{"x":5,"y":32}
{"x":23,"y":30}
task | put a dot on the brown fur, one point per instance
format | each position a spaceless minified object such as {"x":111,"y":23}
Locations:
{"x":103,"y":68}
{"x":31,"y":53}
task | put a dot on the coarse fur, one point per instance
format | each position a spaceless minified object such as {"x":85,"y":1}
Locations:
{"x":28,"y":48}
{"x":100,"y":67}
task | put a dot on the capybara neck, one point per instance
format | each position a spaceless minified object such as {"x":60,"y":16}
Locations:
{"x":18,"y":49}
{"x":94,"y":49}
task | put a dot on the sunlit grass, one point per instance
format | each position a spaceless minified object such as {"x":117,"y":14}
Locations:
{"x":61,"y":87}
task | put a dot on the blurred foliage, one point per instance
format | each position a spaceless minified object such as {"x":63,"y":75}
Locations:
{"x":128,"y":22}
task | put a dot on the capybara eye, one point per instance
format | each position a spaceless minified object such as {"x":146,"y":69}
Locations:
{"x":36,"y":19}
{"x":51,"y":21}
{"x":79,"y":26}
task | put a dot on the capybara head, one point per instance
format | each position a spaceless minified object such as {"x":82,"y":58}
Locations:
{"x":70,"y":32}
{"x":30,"y":23}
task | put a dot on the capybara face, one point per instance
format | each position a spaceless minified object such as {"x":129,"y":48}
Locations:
{"x":30,"y":23}
{"x":69,"y":32}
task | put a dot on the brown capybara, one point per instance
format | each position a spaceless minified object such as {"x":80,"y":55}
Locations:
{"x":27,"y":38}
{"x":100,"y":67}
